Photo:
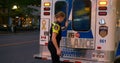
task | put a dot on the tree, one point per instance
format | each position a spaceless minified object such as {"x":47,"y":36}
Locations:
{"x":6,"y":8}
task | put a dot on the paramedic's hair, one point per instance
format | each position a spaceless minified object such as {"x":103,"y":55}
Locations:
{"x":60,"y":14}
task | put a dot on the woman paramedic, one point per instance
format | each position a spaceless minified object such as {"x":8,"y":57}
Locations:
{"x":55,"y":37}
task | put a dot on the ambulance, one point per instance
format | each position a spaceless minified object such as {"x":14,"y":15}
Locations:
{"x":91,"y":35}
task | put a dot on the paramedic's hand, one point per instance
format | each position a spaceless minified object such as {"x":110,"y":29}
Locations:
{"x":66,"y":23}
{"x":58,"y":51}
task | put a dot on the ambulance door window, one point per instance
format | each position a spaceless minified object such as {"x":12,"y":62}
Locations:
{"x":81,"y":15}
{"x":61,"y":6}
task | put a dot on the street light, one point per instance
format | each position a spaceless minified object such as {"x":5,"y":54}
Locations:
{"x":14,"y":7}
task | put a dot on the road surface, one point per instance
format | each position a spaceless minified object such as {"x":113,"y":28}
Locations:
{"x":19,"y":47}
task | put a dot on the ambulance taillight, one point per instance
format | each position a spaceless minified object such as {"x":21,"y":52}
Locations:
{"x":102,"y":7}
{"x":46,"y":13}
{"x":102,"y":3}
{"x":47,"y":8}
{"x":47,"y":4}
{"x":102,"y":13}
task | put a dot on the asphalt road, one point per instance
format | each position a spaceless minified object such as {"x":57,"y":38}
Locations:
{"x":19,"y":47}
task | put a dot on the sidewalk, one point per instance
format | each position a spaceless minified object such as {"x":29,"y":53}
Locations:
{"x":17,"y":32}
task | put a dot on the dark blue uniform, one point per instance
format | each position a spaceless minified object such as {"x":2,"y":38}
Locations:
{"x":55,"y":28}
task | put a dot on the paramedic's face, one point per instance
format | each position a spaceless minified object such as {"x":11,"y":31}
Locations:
{"x":61,"y":19}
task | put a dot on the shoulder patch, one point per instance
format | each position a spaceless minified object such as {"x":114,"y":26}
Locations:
{"x":55,"y":28}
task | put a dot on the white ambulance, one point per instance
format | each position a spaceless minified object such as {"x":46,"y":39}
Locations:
{"x":91,"y":35}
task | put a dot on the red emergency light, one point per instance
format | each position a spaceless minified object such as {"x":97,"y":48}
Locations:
{"x":102,"y":13}
{"x":102,"y":8}
{"x":47,"y":9}
{"x":46,"y":13}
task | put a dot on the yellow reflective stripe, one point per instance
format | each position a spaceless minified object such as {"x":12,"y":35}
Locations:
{"x":55,"y":30}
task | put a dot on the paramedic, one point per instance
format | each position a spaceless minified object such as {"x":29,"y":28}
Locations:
{"x":55,"y":37}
